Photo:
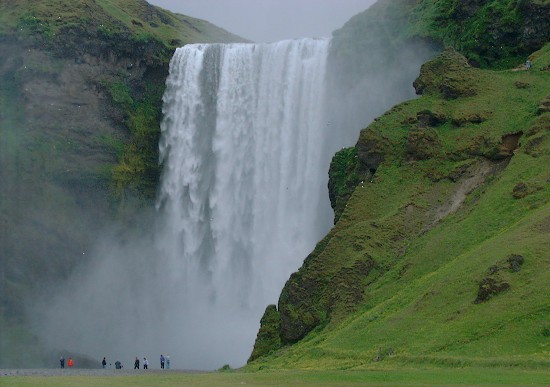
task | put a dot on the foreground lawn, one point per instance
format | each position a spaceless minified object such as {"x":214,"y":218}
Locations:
{"x":404,"y":377}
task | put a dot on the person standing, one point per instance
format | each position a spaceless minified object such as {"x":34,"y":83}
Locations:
{"x":167,"y":362}
{"x":103,"y":363}
{"x":136,"y":364}
{"x":62,"y":362}
{"x":162,"y":361}
{"x":145,"y":363}
{"x":70,"y":362}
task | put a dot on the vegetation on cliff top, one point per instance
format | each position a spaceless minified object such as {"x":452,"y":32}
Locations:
{"x":114,"y":20}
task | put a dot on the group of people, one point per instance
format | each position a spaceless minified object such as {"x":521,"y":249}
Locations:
{"x":70,"y":362}
{"x":164,"y":363}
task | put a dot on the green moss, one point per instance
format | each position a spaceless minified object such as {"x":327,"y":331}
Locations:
{"x":268,"y":339}
{"x":344,"y":176}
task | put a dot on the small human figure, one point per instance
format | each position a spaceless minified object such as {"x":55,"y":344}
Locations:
{"x":528,"y":64}
{"x":70,"y":362}
{"x":118,"y":365}
{"x":62,"y":362}
{"x":136,"y":364}
{"x":145,"y":363}
{"x":167,"y":362}
{"x":104,"y":363}
{"x":162,"y":362}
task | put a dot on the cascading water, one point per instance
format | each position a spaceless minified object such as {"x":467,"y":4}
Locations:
{"x":245,"y":150}
{"x":245,"y":173}
{"x":246,"y":146}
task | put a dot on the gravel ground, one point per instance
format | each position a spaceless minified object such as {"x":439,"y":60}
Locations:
{"x":84,"y":372}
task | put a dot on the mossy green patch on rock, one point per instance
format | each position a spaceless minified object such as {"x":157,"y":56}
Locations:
{"x":448,"y":75}
{"x":268,"y":338}
{"x":344,"y":175}
{"x":423,"y":144}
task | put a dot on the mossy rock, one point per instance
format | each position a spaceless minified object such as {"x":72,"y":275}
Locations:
{"x":534,"y":145}
{"x":494,"y":284}
{"x":372,"y":149}
{"x":425,"y":118}
{"x":524,"y":189}
{"x":344,"y":175}
{"x":493,"y":148}
{"x":297,"y":307}
{"x":268,"y":336}
{"x":448,"y":75}
{"x":347,"y":287}
{"x":423,"y":144}
{"x":467,"y":118}
{"x":490,"y":287}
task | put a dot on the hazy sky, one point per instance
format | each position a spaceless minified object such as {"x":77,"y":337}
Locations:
{"x":271,"y":20}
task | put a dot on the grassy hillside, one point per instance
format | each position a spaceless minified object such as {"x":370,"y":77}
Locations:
{"x":112,"y":19}
{"x":440,"y":255}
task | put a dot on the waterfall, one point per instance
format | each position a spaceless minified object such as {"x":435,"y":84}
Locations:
{"x":243,"y":192}
{"x":245,"y":152}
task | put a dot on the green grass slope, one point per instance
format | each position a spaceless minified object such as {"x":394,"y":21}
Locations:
{"x":115,"y":19}
{"x":440,"y":255}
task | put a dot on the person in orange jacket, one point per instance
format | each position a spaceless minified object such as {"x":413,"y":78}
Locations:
{"x":70,"y":362}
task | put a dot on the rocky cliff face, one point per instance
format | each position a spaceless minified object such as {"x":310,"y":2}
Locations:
{"x":80,"y":97}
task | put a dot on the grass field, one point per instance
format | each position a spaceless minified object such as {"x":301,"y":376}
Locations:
{"x":377,"y":377}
